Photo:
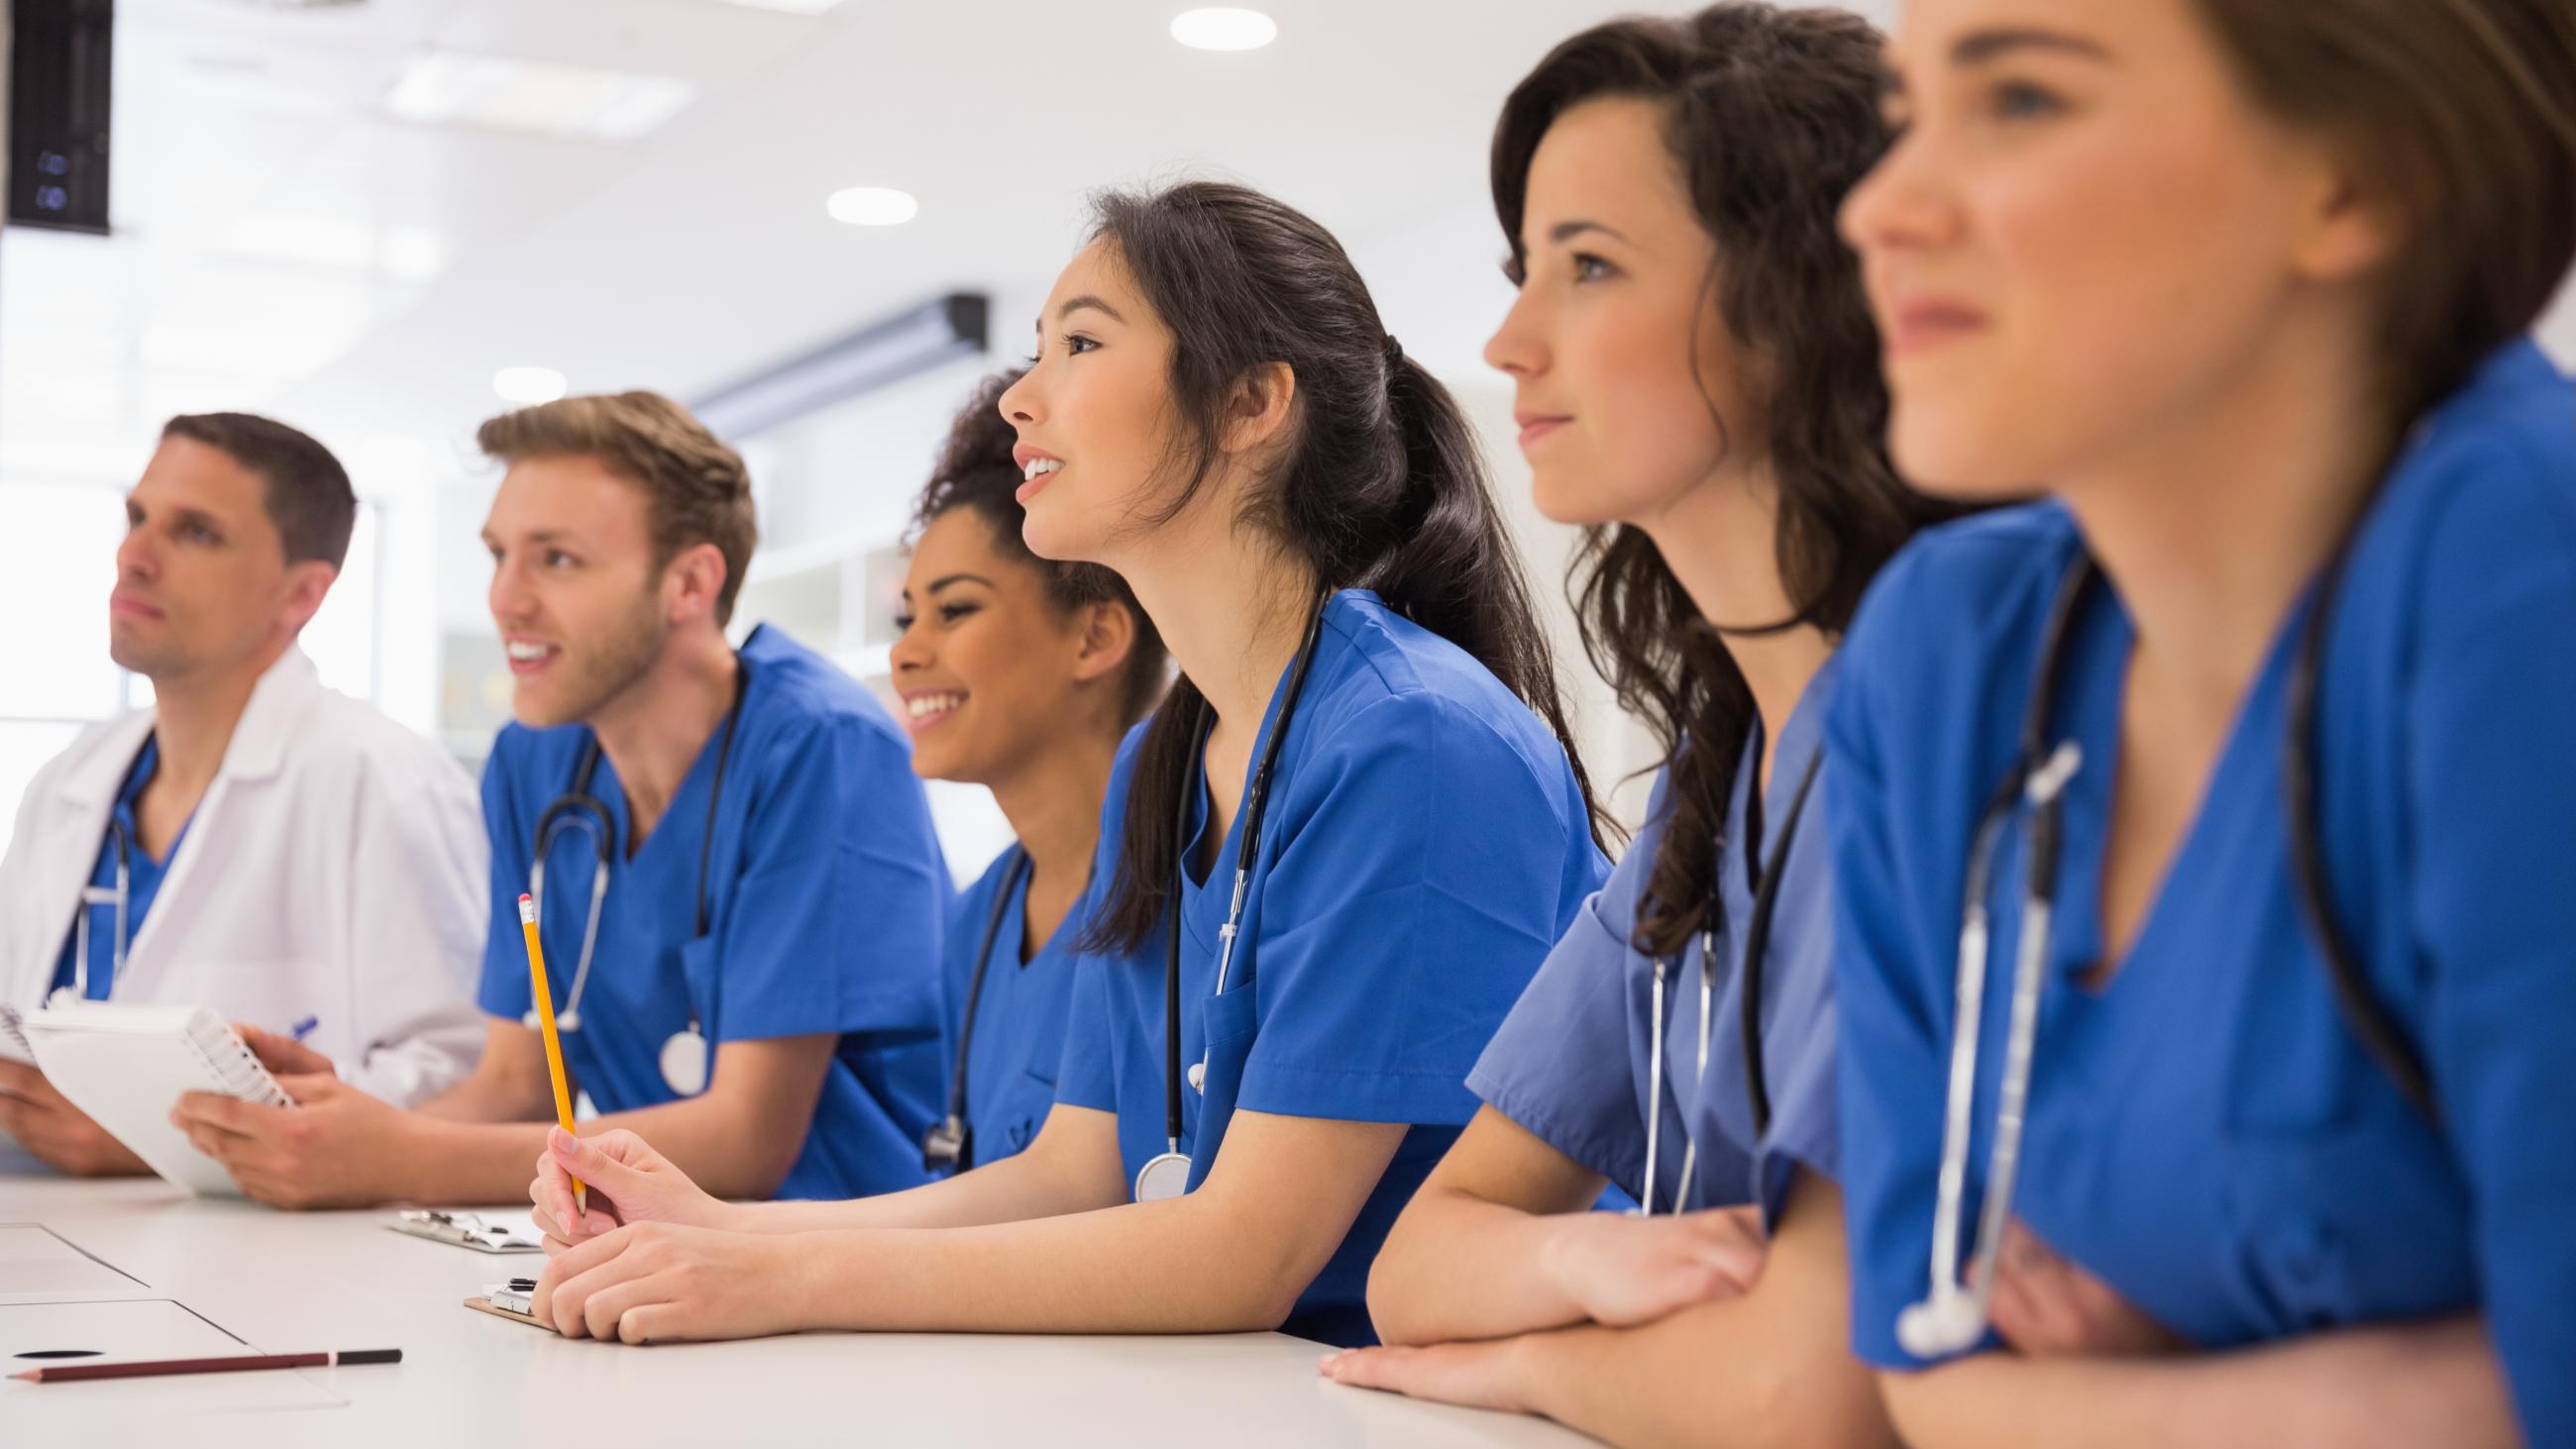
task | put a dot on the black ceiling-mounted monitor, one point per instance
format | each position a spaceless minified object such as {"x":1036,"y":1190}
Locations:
{"x":59,"y":73}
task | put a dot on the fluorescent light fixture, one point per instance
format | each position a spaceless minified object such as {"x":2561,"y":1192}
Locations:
{"x":528,"y":386}
{"x":872,"y":206}
{"x":445,"y":86}
{"x":791,"y":7}
{"x":875,"y":356}
{"x":1224,"y":27}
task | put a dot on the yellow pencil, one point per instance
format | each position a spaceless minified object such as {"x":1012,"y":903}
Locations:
{"x":545,"y":999}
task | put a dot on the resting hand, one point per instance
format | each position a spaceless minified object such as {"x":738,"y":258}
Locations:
{"x":654,"y":1282}
{"x":337,"y":1147}
{"x":60,"y":1135}
{"x":628,"y":1182}
{"x":1622,"y":1270}
{"x":1478,"y":1375}
{"x":2044,"y":1305}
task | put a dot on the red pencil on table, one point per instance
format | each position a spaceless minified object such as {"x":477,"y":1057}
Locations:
{"x":69,"y":1373}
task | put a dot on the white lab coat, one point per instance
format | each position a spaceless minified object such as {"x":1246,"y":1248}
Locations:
{"x":335,"y":869}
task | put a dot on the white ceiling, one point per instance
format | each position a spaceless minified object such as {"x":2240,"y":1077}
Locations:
{"x":285,"y":244}
{"x":700,"y":251}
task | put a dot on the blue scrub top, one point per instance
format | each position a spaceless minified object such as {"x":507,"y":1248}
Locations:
{"x":1020,"y":1017}
{"x":1571,"y":1062}
{"x":2205,"y":1132}
{"x":1426,"y":844}
{"x":826,"y":892}
{"x":143,"y":877}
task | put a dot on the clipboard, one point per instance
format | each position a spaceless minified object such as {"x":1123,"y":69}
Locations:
{"x":468,"y":1230}
{"x":481,"y":1304}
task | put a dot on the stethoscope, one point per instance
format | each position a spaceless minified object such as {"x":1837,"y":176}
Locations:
{"x":1952,"y":1317}
{"x":1757,"y":940}
{"x":949,"y":1145}
{"x":684,"y":1056}
{"x":1167,"y":1174}
{"x":91,"y":898}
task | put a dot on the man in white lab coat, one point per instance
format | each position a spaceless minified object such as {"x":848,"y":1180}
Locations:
{"x":253,"y":842}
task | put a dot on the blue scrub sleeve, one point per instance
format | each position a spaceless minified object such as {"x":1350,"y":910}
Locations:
{"x":1416,"y":891}
{"x":834,"y":923}
{"x":1892,"y":1058}
{"x":1087,"y":1074}
{"x":1561,"y":1065}
{"x":504,"y":990}
{"x":2492,"y":776}
{"x":1801,"y":1037}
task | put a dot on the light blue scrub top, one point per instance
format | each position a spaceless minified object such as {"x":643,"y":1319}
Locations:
{"x":1019,"y":1021}
{"x":2205,"y":1132}
{"x":826,"y":892}
{"x":1426,"y":845}
{"x":142,"y":883}
{"x":1571,"y":1062}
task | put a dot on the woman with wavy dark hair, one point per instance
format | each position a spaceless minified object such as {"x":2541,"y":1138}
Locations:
{"x":1697,"y":385}
{"x":1329,"y":862}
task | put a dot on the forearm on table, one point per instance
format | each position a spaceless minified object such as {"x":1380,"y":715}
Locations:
{"x":1737,"y":1373}
{"x":730,"y":1148}
{"x":1012,"y":1190}
{"x":2350,"y":1389}
{"x":461,"y":1159}
{"x":1459,"y":1266}
{"x":1183,"y":1265}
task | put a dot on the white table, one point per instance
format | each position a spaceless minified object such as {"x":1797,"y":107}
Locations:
{"x":286,"y":1282}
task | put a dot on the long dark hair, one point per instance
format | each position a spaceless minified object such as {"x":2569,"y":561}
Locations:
{"x":1772,"y":115}
{"x":976,"y":472}
{"x":1380,"y":486}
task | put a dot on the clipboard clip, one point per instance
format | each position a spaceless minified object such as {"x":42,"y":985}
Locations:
{"x":464,"y":1229}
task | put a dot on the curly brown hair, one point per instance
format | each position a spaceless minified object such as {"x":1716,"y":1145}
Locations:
{"x":1771,"y":115}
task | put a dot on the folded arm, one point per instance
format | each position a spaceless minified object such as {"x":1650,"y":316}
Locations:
{"x":1498,"y":1242}
{"x":1768,"y":1366}
{"x":2432,"y":1383}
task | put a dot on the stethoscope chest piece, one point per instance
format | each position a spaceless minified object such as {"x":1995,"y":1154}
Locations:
{"x":684,"y":1061}
{"x":1166,"y":1175}
{"x":1950,"y":1321}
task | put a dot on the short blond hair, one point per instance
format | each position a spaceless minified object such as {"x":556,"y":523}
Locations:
{"x":697,"y":488}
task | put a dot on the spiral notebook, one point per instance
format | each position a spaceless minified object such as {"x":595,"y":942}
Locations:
{"x":13,"y":1038}
{"x":127,"y":1065}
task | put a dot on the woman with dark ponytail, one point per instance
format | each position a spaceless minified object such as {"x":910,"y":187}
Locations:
{"x":1330,"y":861}
{"x":1698,"y":385}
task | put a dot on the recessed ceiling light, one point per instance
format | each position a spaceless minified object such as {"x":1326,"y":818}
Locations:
{"x":792,"y":7}
{"x":872,"y":206}
{"x":1224,"y":27}
{"x":520,"y":95}
{"x":528,"y":386}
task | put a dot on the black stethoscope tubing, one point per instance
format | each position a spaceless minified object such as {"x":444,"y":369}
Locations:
{"x":1256,"y":803}
{"x":1952,"y":1316}
{"x":1765,"y":880}
{"x":579,"y":801}
{"x":950,"y":1143}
